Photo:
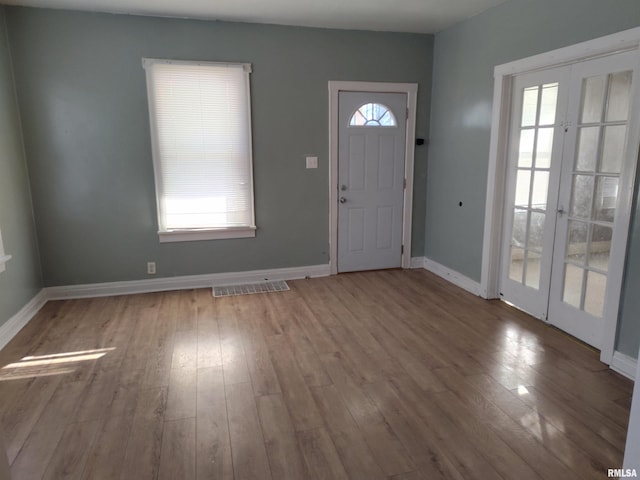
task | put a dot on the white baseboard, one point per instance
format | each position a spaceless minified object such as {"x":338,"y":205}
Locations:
{"x":11,"y":328}
{"x":417,"y":262}
{"x":624,"y":365}
{"x":452,"y":276}
{"x":183,"y":282}
{"x":621,"y":363}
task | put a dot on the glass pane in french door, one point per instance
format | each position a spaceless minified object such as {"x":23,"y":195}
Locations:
{"x":536,"y":131}
{"x":601,"y":134}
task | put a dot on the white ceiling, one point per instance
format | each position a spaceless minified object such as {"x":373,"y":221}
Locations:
{"x":419,"y":16}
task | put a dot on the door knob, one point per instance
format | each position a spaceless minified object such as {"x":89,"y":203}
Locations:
{"x":561,"y":211}
{"x":342,"y":200}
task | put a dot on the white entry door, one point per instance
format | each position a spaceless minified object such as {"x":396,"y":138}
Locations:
{"x":371,"y":153}
{"x":569,"y":147}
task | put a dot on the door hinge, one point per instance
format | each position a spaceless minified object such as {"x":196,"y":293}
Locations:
{"x":404,"y":183}
{"x":407,"y":113}
{"x":401,"y":249}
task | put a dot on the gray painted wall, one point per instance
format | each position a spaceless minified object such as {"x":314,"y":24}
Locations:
{"x":21,"y":280}
{"x":82,"y":97}
{"x":464,"y":58}
{"x":628,"y":341}
{"x":632,"y":448}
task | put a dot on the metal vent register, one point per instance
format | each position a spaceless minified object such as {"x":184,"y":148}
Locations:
{"x":249,"y":288}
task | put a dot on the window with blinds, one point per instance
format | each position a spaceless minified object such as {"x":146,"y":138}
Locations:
{"x":200,"y":118}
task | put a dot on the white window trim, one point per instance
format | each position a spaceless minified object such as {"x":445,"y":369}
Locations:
{"x":411,"y":90}
{"x":198,"y":234}
{"x":3,"y":257}
{"x":503,"y":74}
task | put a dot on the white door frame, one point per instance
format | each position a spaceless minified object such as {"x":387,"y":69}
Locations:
{"x":411,"y":90}
{"x":503,"y":75}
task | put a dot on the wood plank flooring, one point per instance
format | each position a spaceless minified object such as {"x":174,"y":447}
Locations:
{"x":378,"y":375}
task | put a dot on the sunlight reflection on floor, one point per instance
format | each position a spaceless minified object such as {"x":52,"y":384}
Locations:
{"x":47,"y":365}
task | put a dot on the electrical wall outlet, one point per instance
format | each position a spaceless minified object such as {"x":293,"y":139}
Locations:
{"x":312,"y":161}
{"x":151,"y":268}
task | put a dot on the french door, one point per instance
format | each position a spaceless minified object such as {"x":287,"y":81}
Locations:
{"x":536,"y":138}
{"x":567,"y":149}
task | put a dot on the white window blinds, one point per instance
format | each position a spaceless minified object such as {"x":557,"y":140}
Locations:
{"x":201,"y":135}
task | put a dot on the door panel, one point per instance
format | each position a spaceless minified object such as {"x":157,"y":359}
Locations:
{"x":356,"y":161}
{"x":371,"y":154}
{"x":356,"y":230}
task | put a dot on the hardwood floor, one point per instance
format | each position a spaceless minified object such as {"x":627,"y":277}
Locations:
{"x":392,"y":374}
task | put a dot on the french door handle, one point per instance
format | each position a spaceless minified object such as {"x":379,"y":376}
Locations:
{"x":561,"y":211}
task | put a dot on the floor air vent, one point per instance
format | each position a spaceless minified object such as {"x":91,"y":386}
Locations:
{"x":249,"y":288}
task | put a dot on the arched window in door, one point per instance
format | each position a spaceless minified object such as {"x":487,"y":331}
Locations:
{"x":373,"y":115}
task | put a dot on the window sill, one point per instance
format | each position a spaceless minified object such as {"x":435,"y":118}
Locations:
{"x":213,"y":234}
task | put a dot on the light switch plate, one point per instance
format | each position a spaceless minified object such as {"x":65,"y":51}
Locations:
{"x":312,"y":162}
